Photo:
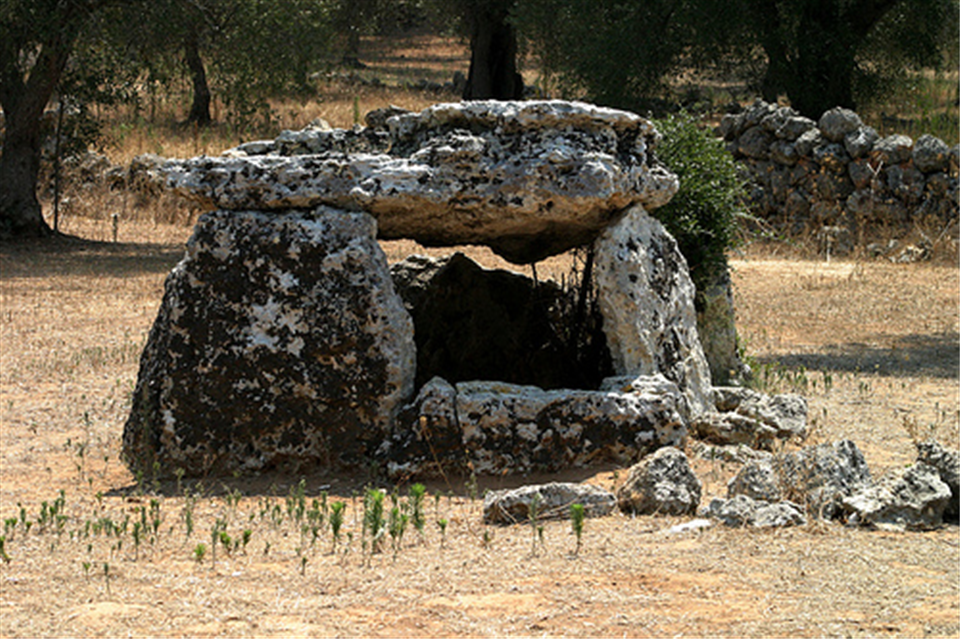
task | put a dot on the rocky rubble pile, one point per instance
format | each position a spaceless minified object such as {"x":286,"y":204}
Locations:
{"x":836,"y":177}
{"x":829,"y":481}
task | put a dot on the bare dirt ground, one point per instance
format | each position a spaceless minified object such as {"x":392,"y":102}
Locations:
{"x":872,"y":345}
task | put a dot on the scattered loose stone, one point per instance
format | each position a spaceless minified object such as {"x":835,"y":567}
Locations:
{"x":553,"y":502}
{"x":821,"y":476}
{"x":914,"y":499}
{"x":757,"y":480}
{"x":947,"y":463}
{"x":662,"y":483}
{"x":742,"y":510}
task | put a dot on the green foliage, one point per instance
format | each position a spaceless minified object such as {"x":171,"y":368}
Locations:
{"x":704,"y":213}
{"x":373,"y":521}
{"x":417,"y":517}
{"x":577,"y":515}
{"x":618,"y":53}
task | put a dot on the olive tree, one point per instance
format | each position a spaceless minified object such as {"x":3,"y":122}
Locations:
{"x":38,"y":41}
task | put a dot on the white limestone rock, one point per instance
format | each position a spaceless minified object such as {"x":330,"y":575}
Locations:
{"x":280,"y":342}
{"x":662,"y":483}
{"x":646,"y":298}
{"x":525,"y":428}
{"x":529,"y":179}
{"x":553,"y":502}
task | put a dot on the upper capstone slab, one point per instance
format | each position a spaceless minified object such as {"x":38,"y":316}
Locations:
{"x":528,"y":179}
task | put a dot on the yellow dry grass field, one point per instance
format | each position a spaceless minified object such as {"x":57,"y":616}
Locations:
{"x":872,"y":345}
{"x":88,"y":552}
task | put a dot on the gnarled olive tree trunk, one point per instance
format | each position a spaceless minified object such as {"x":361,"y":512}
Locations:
{"x":493,"y":54}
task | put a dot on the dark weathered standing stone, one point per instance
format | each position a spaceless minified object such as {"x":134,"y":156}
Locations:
{"x":279,"y":341}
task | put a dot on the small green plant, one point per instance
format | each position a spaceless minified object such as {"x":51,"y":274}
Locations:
{"x":336,"y":521}
{"x":398,"y":525}
{"x":3,"y":550}
{"x":373,"y":521}
{"x":199,"y":552}
{"x":417,"y":518}
{"x":576,"y":523}
{"x":245,"y":538}
{"x":442,"y":523}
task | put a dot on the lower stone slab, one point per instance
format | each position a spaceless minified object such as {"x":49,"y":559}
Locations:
{"x":492,"y":427}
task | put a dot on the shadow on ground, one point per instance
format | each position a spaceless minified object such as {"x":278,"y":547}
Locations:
{"x":63,"y":255}
{"x":929,"y":355}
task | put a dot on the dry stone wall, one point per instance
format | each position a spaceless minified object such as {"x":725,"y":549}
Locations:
{"x":837,"y":179}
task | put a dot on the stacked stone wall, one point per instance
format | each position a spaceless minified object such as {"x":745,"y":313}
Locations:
{"x":838,"y":179}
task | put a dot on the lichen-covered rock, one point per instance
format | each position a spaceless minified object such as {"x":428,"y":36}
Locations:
{"x":822,"y":476}
{"x":662,"y":483}
{"x":893,"y":149}
{"x":757,"y":480}
{"x":279,"y":341}
{"x":514,"y":428}
{"x":426,"y":440}
{"x":931,"y":154}
{"x":947,"y":463}
{"x":552,"y":500}
{"x":646,"y":298}
{"x":733,"y":428}
{"x":838,"y":122}
{"x":786,"y":413}
{"x":914,"y":498}
{"x":741,"y":510}
{"x":529,"y":179}
{"x":860,"y":141}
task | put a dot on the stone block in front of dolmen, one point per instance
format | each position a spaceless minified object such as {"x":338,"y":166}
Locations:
{"x":545,"y":501}
{"x":280,"y":342}
{"x":493,"y":427}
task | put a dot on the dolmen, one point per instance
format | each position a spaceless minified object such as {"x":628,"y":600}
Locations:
{"x":283,"y":341}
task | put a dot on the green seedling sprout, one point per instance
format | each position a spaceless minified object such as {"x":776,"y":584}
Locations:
{"x":3,"y":550}
{"x":442,"y":523}
{"x":373,"y":522}
{"x":336,"y":521}
{"x":417,"y":492}
{"x":199,"y":552}
{"x":576,"y":523}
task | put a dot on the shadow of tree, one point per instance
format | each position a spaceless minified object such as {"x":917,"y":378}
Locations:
{"x":931,"y":355}
{"x":66,"y":255}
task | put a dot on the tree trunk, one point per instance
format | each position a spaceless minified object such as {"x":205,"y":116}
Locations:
{"x":493,"y":58}
{"x":200,"y":109}
{"x":20,"y":213}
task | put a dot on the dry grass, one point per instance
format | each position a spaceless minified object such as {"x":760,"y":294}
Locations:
{"x":75,"y":315}
{"x":873,"y":346}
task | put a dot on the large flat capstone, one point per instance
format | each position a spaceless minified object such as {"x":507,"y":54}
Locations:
{"x":528,"y":179}
{"x":280,"y":341}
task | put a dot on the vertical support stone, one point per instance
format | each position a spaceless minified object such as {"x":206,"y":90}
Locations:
{"x":280,"y":341}
{"x":647,"y":301}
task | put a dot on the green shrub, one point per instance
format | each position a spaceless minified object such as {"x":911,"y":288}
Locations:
{"x":704,"y":213}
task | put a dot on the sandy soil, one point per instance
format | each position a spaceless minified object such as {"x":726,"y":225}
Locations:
{"x":873,"y":346}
